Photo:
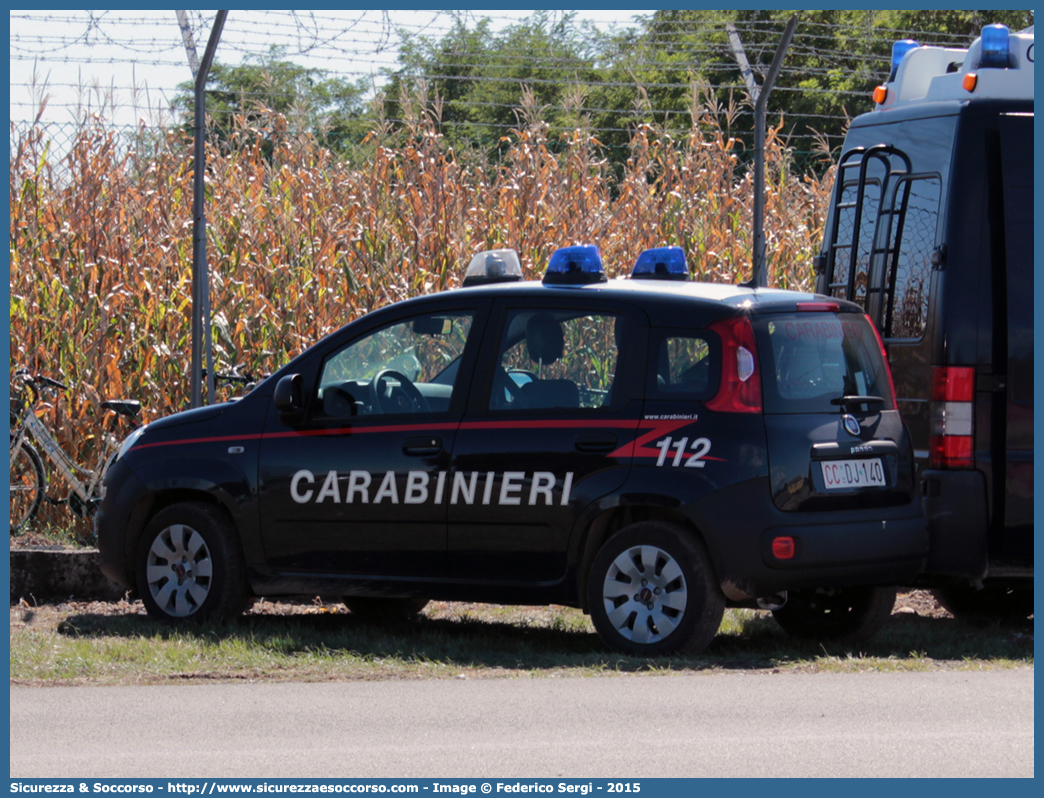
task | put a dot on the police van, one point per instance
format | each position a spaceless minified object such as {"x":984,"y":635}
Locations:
{"x":650,"y":449}
{"x":930,"y":231}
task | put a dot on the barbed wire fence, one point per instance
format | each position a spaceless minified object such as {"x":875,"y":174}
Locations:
{"x":364,"y":45}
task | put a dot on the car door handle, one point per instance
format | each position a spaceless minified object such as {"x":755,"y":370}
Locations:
{"x":596,"y":442}
{"x":422,"y":445}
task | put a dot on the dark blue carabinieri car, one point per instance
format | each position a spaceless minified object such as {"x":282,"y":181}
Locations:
{"x":649,"y":449}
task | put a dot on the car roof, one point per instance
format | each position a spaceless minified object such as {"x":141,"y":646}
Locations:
{"x":680,"y":295}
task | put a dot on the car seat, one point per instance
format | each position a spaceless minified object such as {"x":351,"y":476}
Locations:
{"x":544,"y":341}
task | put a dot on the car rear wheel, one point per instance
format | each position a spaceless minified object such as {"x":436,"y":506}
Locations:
{"x":843,"y":614}
{"x":992,"y":603}
{"x":651,"y":591}
{"x":190,"y":565}
{"x":384,"y":611}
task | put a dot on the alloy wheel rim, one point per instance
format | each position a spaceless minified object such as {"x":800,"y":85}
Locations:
{"x":179,"y":570}
{"x":644,"y":594}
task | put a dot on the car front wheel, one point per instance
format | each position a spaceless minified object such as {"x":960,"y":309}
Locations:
{"x":190,"y":565}
{"x":848,"y":614}
{"x":651,"y":591}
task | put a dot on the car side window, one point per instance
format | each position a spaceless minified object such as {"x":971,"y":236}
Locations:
{"x":683,"y":363}
{"x":408,"y":367}
{"x":556,"y":359}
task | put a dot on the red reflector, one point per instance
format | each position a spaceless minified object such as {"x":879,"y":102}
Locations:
{"x":950,"y":451}
{"x":818,"y":307}
{"x":953,"y":383}
{"x":740,"y":389}
{"x":783,"y":548}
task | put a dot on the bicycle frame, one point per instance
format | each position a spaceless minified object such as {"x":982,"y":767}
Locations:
{"x":31,"y":427}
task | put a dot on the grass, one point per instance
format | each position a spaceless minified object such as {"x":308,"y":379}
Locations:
{"x":118,"y":644}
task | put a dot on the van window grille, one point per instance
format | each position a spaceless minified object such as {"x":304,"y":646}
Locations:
{"x":909,"y":260}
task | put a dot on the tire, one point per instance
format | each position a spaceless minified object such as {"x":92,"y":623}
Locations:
{"x":992,"y":603}
{"x":651,"y":591}
{"x":384,"y":611}
{"x":848,"y":614}
{"x":28,"y":486}
{"x":190,"y":566}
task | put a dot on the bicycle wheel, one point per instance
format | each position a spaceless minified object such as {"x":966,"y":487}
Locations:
{"x":28,"y":485}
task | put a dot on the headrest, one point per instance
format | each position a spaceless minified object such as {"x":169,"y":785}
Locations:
{"x":544,"y":339}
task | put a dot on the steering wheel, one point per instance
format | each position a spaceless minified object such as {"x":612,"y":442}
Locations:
{"x":405,"y":399}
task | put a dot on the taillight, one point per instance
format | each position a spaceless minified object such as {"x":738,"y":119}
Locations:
{"x":740,"y":389}
{"x":953,"y":391}
{"x":884,"y":357}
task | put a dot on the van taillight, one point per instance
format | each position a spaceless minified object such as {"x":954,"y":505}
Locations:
{"x":740,"y":389}
{"x":950,"y":444}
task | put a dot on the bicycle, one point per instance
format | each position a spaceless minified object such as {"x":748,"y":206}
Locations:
{"x":237,"y":376}
{"x":28,"y":477}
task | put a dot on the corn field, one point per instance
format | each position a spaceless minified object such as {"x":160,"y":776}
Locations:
{"x":301,"y":242}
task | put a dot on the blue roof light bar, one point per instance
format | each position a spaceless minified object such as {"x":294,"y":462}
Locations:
{"x":579,"y":265}
{"x":899,"y":49}
{"x":661,"y":263}
{"x":995,"y":51}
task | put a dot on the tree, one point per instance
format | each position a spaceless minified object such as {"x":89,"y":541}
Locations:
{"x":830,"y":70}
{"x":478,"y":74}
{"x":244,"y":97}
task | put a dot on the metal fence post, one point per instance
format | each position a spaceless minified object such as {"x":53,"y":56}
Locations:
{"x":759,"y":274}
{"x":200,"y":276}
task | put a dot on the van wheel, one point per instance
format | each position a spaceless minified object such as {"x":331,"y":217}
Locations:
{"x":847,"y":614}
{"x":190,"y":565}
{"x":993,"y":602}
{"x":652,"y":591}
{"x":384,"y":611}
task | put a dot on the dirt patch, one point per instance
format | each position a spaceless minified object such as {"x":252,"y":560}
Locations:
{"x":915,"y":602}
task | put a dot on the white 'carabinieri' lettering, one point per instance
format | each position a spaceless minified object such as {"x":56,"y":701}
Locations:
{"x":416,"y":487}
{"x":330,"y":489}
{"x":359,"y":482}
{"x":464,"y":488}
{"x":388,"y":489}
{"x":509,"y":485}
{"x":295,"y":483}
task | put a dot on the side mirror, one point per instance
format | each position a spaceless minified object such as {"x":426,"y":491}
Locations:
{"x":288,"y":398}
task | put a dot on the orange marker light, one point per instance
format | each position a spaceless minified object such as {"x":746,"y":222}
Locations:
{"x":880,"y":95}
{"x":969,"y":81}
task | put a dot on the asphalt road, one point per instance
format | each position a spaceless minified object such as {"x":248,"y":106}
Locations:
{"x":869,"y":724}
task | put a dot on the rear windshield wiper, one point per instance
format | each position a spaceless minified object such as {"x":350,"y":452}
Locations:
{"x":844,"y":401}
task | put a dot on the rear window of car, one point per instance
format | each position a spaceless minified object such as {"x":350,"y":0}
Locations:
{"x":810,"y":359}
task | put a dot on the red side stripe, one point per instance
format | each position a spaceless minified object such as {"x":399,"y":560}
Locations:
{"x":635,"y":448}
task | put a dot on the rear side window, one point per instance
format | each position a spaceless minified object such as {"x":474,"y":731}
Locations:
{"x":809,"y":359}
{"x":684,"y":364}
